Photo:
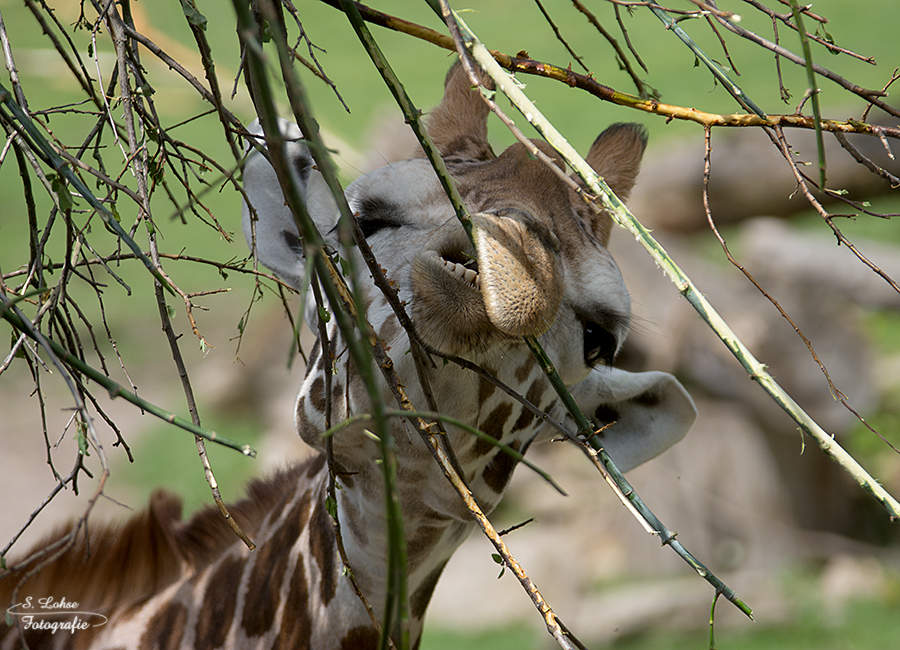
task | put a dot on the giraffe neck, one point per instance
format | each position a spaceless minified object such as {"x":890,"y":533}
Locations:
{"x":290,"y":591}
{"x":435,"y":519}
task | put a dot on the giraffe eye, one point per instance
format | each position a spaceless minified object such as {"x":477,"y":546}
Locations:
{"x":370,"y":226}
{"x":377,"y":213}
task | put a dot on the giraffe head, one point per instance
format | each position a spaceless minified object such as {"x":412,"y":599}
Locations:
{"x":540,"y":266}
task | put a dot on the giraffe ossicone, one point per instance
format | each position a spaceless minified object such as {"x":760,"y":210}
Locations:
{"x":541,"y":268}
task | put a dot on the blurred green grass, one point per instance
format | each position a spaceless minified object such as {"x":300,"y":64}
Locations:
{"x":507,"y":25}
{"x":863,"y":624}
{"x":421,"y":67}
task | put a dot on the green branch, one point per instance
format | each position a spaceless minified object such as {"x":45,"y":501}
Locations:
{"x":37,"y":143}
{"x":813,"y":89}
{"x":343,"y":304}
{"x":733,"y":89}
{"x":624,"y":218}
{"x":411,"y":113}
{"x":114,"y":388}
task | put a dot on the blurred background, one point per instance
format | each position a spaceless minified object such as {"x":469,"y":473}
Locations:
{"x":816,"y":558}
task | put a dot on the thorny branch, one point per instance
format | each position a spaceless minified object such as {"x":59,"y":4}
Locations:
{"x":586,"y":435}
{"x":51,"y":287}
{"x":587,"y":83}
{"x":156,"y":168}
{"x":835,"y":391}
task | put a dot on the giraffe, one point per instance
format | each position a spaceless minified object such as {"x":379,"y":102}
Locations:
{"x":541,"y":268}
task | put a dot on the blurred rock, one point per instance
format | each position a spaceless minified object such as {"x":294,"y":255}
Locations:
{"x":748,"y":177}
{"x":823,"y":288}
{"x":846,"y":578}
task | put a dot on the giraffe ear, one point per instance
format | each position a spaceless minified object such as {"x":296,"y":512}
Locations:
{"x":269,"y":226}
{"x":616,"y":157}
{"x":648,"y":412}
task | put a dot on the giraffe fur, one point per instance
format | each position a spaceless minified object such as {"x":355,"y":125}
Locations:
{"x":541,"y":269}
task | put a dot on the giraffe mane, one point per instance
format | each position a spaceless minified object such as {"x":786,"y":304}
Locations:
{"x":121,"y":564}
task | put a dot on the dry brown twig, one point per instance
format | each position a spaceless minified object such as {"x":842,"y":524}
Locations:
{"x":183,"y":160}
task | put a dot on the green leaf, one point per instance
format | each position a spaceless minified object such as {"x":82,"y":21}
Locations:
{"x":331,"y":507}
{"x":58,"y":185}
{"x":157,"y":170}
{"x":490,"y":94}
{"x":266,"y":32}
{"x":13,"y":337}
{"x":194,"y":17}
{"x":345,"y":269}
{"x":82,"y":439}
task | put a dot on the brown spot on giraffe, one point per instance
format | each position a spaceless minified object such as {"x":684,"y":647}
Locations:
{"x":389,"y":330}
{"x":360,"y":638}
{"x":317,"y":394}
{"x":498,"y":472}
{"x":166,"y":628}
{"x":219,"y":605}
{"x":296,"y":623}
{"x":605,"y":414}
{"x":486,"y":388}
{"x":524,"y":371}
{"x":315,"y":466}
{"x":322,"y":545}
{"x":493,"y":427}
{"x":268,"y":571}
{"x":337,"y":393}
{"x":534,"y":394}
{"x":422,"y":541}
{"x":420,"y":598}
{"x":302,"y":417}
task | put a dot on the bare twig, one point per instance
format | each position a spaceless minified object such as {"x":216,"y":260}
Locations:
{"x":866,"y":162}
{"x":606,"y":93}
{"x":623,"y":216}
{"x":642,"y":88}
{"x":871,"y":96}
{"x":835,"y":392}
{"x":559,"y":36}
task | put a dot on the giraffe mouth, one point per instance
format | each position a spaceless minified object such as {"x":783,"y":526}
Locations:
{"x":455,"y":257}
{"x":448,"y":303}
{"x":467,"y":271}
{"x":466,"y":300}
